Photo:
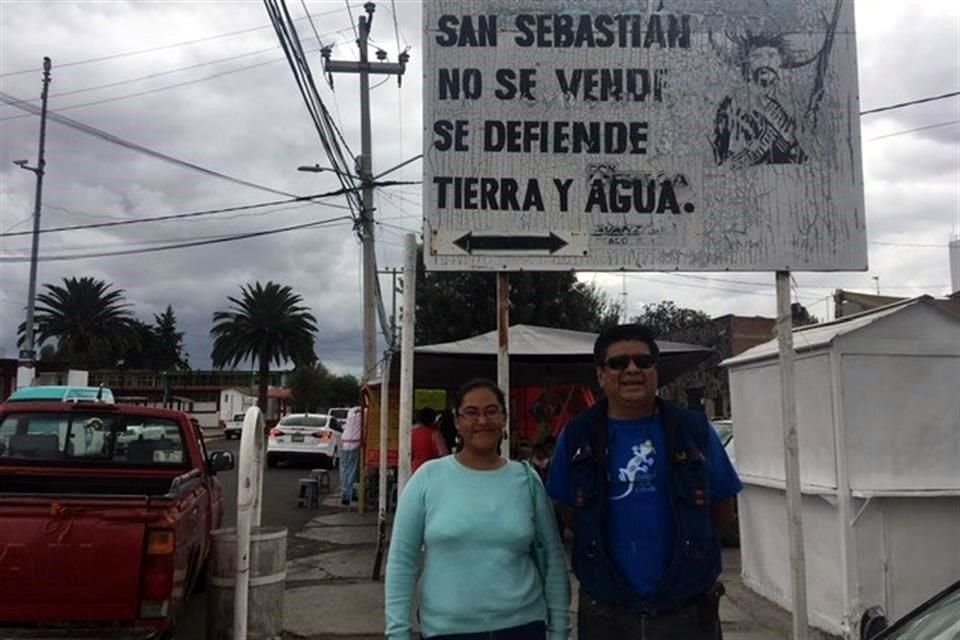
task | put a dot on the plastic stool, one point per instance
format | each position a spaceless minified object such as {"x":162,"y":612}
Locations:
{"x":322,"y":476}
{"x":309,"y":493}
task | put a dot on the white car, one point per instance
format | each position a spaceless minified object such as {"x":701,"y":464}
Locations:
{"x":234,"y":427}
{"x":305,"y":436}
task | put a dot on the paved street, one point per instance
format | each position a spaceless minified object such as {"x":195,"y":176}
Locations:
{"x":279,"y":508}
{"x":330,"y":556}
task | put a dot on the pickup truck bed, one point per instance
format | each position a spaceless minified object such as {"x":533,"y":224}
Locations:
{"x":98,"y":540}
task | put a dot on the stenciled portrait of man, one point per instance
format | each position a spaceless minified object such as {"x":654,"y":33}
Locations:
{"x":756,"y":124}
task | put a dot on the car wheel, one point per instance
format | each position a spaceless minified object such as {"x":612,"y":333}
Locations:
{"x":272,"y":460}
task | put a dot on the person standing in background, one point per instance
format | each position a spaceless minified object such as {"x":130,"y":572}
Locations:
{"x":350,"y":454}
{"x":426,"y":441}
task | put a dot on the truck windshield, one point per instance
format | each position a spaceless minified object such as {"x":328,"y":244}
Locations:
{"x":67,"y":437}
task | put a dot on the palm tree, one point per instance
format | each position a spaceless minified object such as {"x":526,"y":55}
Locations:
{"x":266,"y":324}
{"x":89,"y":320}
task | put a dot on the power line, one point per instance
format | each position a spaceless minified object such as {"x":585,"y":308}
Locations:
{"x":915,"y":129}
{"x":331,"y":138}
{"x":103,"y":135}
{"x":900,"y":105}
{"x":910,"y":244}
{"x":182,"y":245}
{"x":17,"y":224}
{"x":159,"y":74}
{"x":772,"y":284}
{"x":162,"y":47}
{"x":701,"y":286}
{"x":145,"y":92}
{"x":352,"y":23}
{"x":179,"y":216}
{"x":158,"y":89}
{"x":396,"y":27}
{"x":312,"y":26}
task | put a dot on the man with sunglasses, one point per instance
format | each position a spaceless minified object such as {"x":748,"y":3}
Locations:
{"x":646,"y":487}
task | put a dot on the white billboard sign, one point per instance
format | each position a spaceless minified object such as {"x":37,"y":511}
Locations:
{"x":652,"y":135}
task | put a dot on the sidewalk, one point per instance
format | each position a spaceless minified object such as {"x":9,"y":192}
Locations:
{"x":330,"y":595}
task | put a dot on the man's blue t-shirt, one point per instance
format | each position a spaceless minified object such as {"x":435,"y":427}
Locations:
{"x":641,"y":528}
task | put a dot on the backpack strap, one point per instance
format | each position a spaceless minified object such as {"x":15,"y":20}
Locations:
{"x":598,"y":439}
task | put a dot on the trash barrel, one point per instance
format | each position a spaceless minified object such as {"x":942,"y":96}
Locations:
{"x":268,"y":571}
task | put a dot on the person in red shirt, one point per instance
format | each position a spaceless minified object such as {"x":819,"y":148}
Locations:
{"x":426,"y":441}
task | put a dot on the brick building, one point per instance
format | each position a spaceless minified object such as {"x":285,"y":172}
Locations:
{"x":707,"y":387}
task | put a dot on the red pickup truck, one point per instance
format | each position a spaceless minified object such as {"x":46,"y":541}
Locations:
{"x":105,"y":518}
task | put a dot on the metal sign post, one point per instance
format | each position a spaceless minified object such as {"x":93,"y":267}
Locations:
{"x":383,"y":468}
{"x":503,"y":352}
{"x":791,"y":457}
{"x":406,"y":358}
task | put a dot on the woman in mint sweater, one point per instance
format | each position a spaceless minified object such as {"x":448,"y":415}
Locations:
{"x":473,"y":515}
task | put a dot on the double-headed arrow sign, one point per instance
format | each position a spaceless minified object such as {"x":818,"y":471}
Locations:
{"x":471,"y":242}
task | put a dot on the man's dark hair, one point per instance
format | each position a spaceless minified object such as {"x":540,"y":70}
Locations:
{"x":620,"y":333}
{"x":479,"y":383}
{"x":426,"y":416}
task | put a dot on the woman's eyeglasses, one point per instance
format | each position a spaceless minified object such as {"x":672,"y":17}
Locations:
{"x":642,"y":360}
{"x":472,"y":414}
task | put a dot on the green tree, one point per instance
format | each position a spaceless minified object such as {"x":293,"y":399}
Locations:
{"x":666,"y":318}
{"x":801,"y":316}
{"x":680,"y":324}
{"x":452,"y":305}
{"x":170,"y":352}
{"x":309,"y":384}
{"x":267,"y":323}
{"x":343,"y":391}
{"x":140,"y":353}
{"x":89,"y":321}
{"x":158,"y":346}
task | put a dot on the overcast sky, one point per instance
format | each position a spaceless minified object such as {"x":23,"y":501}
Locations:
{"x":206,"y":82}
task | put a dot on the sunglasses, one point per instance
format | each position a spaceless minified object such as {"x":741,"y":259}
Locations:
{"x":642,"y":360}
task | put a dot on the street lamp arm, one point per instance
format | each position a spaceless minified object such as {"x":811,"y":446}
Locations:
{"x":316,"y":168}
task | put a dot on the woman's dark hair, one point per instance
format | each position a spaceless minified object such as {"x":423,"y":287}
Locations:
{"x":620,"y":333}
{"x":478,"y":383}
{"x":426,"y":416}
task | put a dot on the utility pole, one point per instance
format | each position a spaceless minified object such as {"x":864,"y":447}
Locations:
{"x":28,"y":355}
{"x":394,"y":325}
{"x":365,"y":167}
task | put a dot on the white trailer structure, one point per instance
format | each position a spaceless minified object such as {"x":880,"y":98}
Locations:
{"x":878,"y":406}
{"x":233,"y":402}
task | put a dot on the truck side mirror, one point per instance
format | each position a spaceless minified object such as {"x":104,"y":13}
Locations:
{"x":872,"y":622}
{"x":220,"y":461}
